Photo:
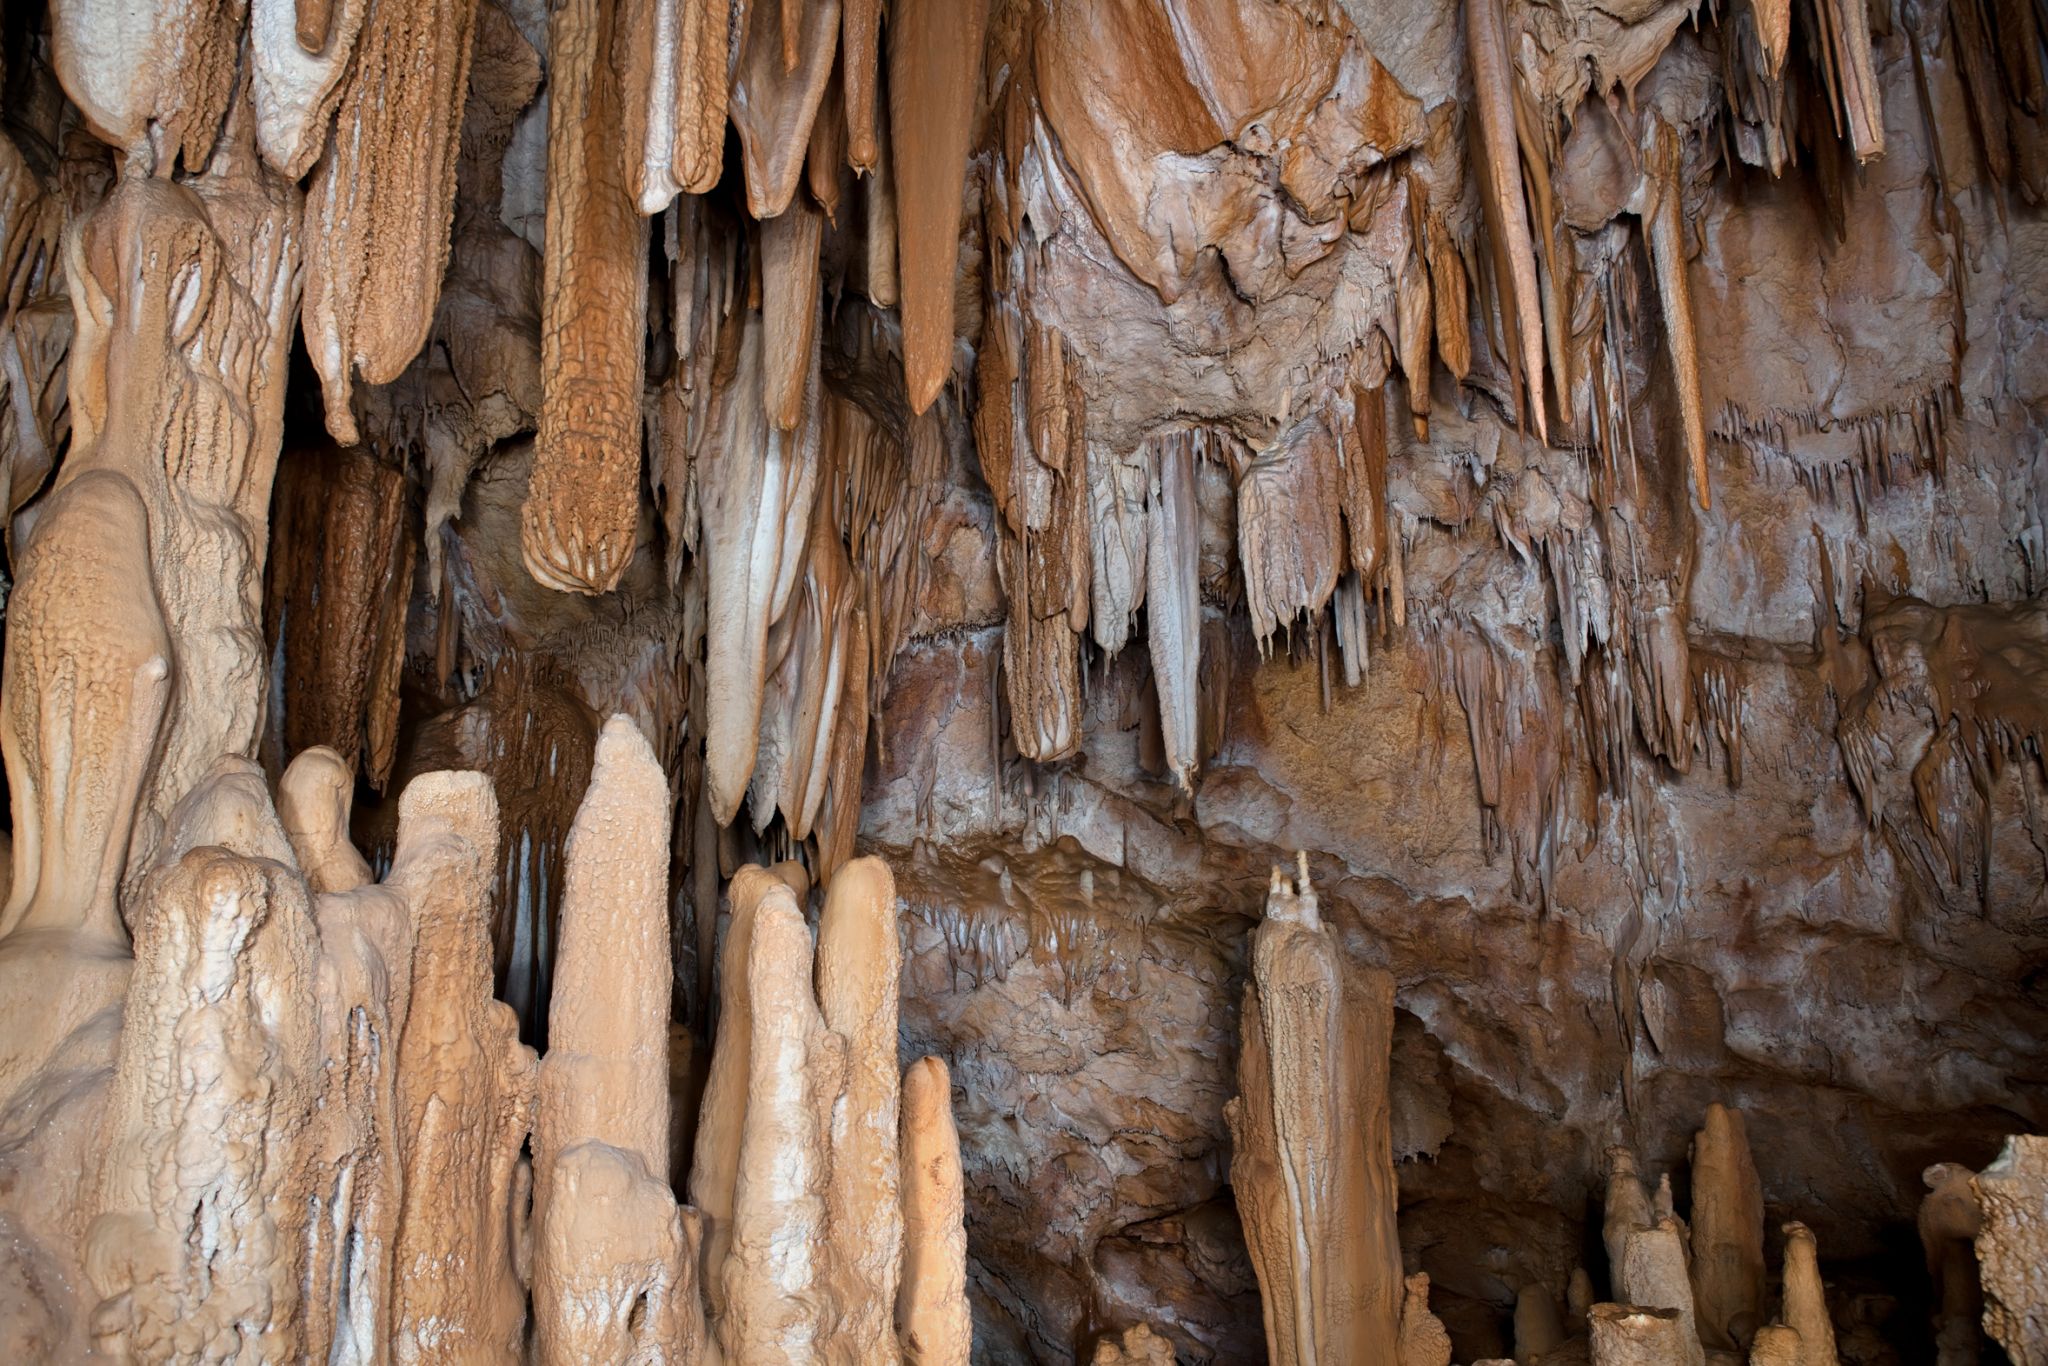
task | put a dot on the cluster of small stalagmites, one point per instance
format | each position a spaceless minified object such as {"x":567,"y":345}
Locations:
{"x":1312,"y":1157}
{"x":304,"y":1139}
{"x":829,"y":1183}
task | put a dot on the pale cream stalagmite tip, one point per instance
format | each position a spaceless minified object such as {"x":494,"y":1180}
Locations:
{"x":1630,"y":1335}
{"x":1312,"y":1162}
{"x":1805,"y":1305}
{"x":1775,"y":1344}
{"x":1424,"y":1340}
{"x":714,"y":1171}
{"x":777,"y":1305}
{"x":1627,"y":1209}
{"x":1949,"y":1220}
{"x":858,"y":972}
{"x":1727,"y":1232}
{"x":313,"y":801}
{"x":465,"y":1090}
{"x":1138,"y":1346}
{"x":2012,"y":1248}
{"x":1653,"y":1274}
{"x":582,"y":509}
{"x":935,"y":49}
{"x":613,"y":1269}
{"x":1493,"y":74}
{"x":932,"y":1321}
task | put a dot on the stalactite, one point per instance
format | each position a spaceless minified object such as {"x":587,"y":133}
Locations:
{"x":860,"y":60}
{"x":183,"y":291}
{"x":932,"y":1322}
{"x":1665,"y":223}
{"x":1289,"y":536}
{"x":789,"y":309}
{"x":382,"y":199}
{"x":1173,"y":615}
{"x":774,"y":99}
{"x":154,"y":80}
{"x":756,"y":485}
{"x":1120,"y":502}
{"x":1492,"y":81}
{"x":1312,"y":1164}
{"x":935,"y":51}
{"x":297,"y":83}
{"x":340,"y":579}
{"x":580,"y":518}
{"x":672,"y":57}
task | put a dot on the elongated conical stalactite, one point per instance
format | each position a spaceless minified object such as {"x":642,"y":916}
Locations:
{"x":1493,"y":93}
{"x":1311,"y":1163}
{"x":299,"y":55}
{"x":778,"y":84}
{"x":934,"y":72}
{"x":582,"y":509}
{"x":672,"y":56}
{"x":1173,"y":614}
{"x":382,"y":199}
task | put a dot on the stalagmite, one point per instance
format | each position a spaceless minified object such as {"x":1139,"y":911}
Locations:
{"x":1138,"y":1346}
{"x":582,"y":509}
{"x":934,"y":70}
{"x":382,"y":199}
{"x":1311,"y":1162}
{"x":932,"y":1322}
{"x":1805,"y":1307}
{"x":465,"y":1089}
{"x":1493,"y":79}
{"x":1537,"y":1328}
{"x":1727,"y":1232}
{"x":1653,"y":1274}
{"x":1776,"y":1344}
{"x":2012,"y":1249}
{"x":859,"y":963}
{"x":220,"y":1063}
{"x":777,"y":1305}
{"x":1423,"y":1340}
{"x":1949,"y":1220}
{"x":1173,"y":613}
{"x":714,"y":1174}
{"x":774,"y":99}
{"x":313,"y":799}
{"x":614,"y":1275}
{"x":1626,"y":1335}
{"x":1628,"y":1209}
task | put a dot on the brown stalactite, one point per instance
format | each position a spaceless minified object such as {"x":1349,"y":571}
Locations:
{"x":1492,"y":77}
{"x":934,"y":78}
{"x":860,"y":68}
{"x":578,"y":524}
{"x":774,"y":100}
{"x":789,"y":309}
{"x":671,"y":56}
{"x":382,"y":199}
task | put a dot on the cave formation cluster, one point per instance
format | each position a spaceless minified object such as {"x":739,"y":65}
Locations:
{"x":785,"y":681}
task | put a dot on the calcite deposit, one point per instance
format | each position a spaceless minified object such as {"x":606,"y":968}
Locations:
{"x":1023,"y":681}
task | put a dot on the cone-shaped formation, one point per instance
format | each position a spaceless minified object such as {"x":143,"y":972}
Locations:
{"x":1312,"y":1165}
{"x":1804,"y":1306}
{"x":932,"y":1322}
{"x":2013,"y":1247}
{"x":1629,"y":1335}
{"x":1727,"y":1232}
{"x":1423,"y":1341}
